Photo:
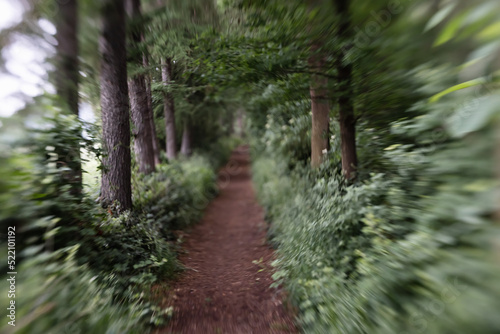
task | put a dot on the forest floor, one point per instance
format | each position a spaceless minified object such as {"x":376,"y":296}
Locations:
{"x":226,"y":287}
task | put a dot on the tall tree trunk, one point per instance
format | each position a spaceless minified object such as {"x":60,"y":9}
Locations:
{"x":187,"y":139}
{"x":346,"y":108}
{"x":66,"y":80}
{"x":156,"y":144}
{"x":320,"y":110}
{"x":169,"y":109}
{"x":115,"y":183}
{"x":141,"y":115}
{"x":67,"y":74}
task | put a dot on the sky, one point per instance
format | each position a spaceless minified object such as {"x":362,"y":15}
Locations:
{"x":26,"y":63}
{"x":11,"y":14}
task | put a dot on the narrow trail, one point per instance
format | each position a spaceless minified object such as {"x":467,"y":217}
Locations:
{"x":226,"y":288}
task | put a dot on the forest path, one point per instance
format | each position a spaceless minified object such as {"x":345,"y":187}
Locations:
{"x":226,"y":288}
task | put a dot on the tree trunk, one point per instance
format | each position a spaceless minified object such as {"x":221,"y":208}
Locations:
{"x":169,"y":109}
{"x":141,"y":115}
{"x":346,"y":108}
{"x":187,"y":140}
{"x":320,"y":110}
{"x":115,"y":183}
{"x":156,"y":144}
{"x":67,"y":74}
{"x":66,"y":80}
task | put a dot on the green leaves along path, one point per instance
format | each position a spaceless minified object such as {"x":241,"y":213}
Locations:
{"x":373,"y":128}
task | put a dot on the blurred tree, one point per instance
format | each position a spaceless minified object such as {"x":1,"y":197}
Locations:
{"x":142,"y":130}
{"x":115,"y":183}
{"x":66,"y":76}
{"x":66,"y":82}
{"x":320,"y":108}
{"x":187,"y":138}
{"x":156,"y":144}
{"x":169,"y":109}
{"x":345,"y":94}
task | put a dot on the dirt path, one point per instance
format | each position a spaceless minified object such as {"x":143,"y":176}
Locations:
{"x":223,"y":292}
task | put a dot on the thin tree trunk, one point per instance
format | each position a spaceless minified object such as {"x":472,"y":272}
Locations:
{"x":346,"y":108}
{"x":320,"y":111}
{"x":115,"y":183}
{"x":169,"y":109}
{"x":67,"y":74}
{"x":66,"y":80}
{"x":156,"y":144}
{"x":187,"y":140}
{"x":141,"y":115}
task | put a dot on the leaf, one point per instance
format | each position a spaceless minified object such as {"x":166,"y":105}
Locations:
{"x":450,"y":30}
{"x":463,"y":85}
{"x":439,"y":17}
{"x":392,"y":147}
{"x":491,"y":32}
{"x":466,"y":120}
{"x":484,"y":51}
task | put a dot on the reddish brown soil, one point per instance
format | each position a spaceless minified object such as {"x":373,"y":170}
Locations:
{"x":225,"y":289}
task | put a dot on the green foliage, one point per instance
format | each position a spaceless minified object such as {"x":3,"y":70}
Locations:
{"x":55,"y":295}
{"x":82,"y":269}
{"x":217,"y":153}
{"x":409,"y":246}
{"x":408,"y":249}
{"x":175,"y":195}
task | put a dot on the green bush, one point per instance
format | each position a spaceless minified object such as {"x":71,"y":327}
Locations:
{"x":175,"y":195}
{"x":218,"y":153}
{"x":406,"y":250}
{"x":55,"y":295}
{"x":82,"y":269}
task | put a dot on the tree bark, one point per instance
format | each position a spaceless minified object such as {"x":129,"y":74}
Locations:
{"x":66,"y":81}
{"x":187,"y":140}
{"x":66,"y":76}
{"x":115,"y":183}
{"x":141,"y":115}
{"x":169,"y":110}
{"x":346,"y":108}
{"x":320,"y":110}
{"x":156,"y":144}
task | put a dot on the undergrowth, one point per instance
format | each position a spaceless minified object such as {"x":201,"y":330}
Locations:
{"x":81,"y":268}
{"x":405,"y":249}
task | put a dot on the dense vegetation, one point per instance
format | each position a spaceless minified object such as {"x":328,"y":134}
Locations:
{"x":373,"y":127}
{"x":408,"y":246}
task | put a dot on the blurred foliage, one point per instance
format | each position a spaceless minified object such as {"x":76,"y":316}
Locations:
{"x":82,"y":269}
{"x":409,"y":247}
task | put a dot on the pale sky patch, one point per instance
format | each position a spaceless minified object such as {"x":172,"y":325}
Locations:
{"x":11,"y":13}
{"x":47,"y":26}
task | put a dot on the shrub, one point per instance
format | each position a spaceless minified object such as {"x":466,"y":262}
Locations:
{"x":81,"y":268}
{"x":404,"y":250}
